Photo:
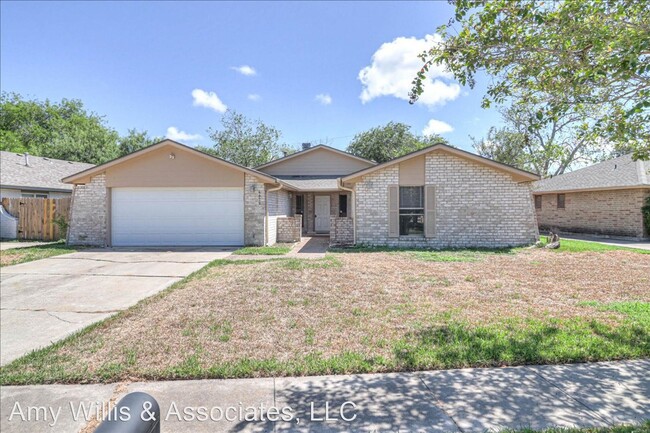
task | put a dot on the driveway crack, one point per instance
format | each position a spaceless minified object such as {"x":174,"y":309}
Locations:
{"x":48,"y":311}
{"x":57,"y":317}
{"x":132,"y":262}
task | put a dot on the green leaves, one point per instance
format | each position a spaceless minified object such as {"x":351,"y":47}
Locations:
{"x":594,"y":53}
{"x":62,"y":130}
{"x":243,"y":141}
{"x":383,"y":143}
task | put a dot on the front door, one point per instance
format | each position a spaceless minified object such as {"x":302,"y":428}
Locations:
{"x":322,"y":214}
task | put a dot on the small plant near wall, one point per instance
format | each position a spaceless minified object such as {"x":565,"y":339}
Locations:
{"x":62,"y":224}
{"x":646,"y":214}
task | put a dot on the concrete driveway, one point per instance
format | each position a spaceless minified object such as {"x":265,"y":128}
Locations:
{"x":46,"y":300}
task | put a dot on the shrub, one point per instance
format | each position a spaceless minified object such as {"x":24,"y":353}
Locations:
{"x":646,"y":214}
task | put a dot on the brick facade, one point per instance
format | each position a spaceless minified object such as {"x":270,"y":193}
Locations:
{"x":289,"y":229}
{"x":254,"y":211}
{"x":476,"y":206}
{"x":341,"y":231}
{"x":613,"y":213}
{"x":89,"y":213}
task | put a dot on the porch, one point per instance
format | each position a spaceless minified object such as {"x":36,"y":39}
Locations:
{"x":319,"y":207}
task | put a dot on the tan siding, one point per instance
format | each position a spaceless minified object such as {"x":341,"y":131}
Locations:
{"x":317,"y":162}
{"x":157,"y":169}
{"x":411,"y":171}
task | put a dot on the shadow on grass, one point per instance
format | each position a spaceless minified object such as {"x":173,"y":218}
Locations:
{"x":457,"y":345}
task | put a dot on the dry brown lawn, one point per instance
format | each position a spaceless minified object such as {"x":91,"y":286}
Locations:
{"x":357,"y":302}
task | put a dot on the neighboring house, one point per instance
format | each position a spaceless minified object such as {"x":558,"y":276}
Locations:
{"x":603,"y":199}
{"x":171,"y":194}
{"x":23,"y":175}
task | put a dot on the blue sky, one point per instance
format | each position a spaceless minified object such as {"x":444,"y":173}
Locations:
{"x":316,"y":71}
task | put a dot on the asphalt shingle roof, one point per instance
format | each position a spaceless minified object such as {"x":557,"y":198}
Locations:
{"x":42,"y":173}
{"x":621,"y":172}
{"x":311,"y":183}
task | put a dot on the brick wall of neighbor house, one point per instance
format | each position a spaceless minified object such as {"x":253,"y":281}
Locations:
{"x":614,"y":213}
{"x":278,"y":205}
{"x":341,"y":231}
{"x":88,"y":222}
{"x":254,"y":211}
{"x":476,"y":206}
{"x":289,"y":229}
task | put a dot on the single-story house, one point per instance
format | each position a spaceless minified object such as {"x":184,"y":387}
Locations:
{"x":171,"y":194}
{"x":602,"y":199}
{"x":23,"y":175}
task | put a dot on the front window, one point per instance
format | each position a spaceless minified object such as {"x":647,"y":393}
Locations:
{"x":343,"y":205}
{"x":560,"y":201}
{"x":300,"y":207}
{"x":538,"y":202}
{"x":411,"y":210}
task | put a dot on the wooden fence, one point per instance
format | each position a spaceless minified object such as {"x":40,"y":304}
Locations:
{"x":40,"y":218}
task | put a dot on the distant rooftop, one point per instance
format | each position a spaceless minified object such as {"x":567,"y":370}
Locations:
{"x":621,"y":172}
{"x":41,"y":173}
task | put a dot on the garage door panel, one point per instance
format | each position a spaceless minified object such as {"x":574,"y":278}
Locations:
{"x":177,"y":216}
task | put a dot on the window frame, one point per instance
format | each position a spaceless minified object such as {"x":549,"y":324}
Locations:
{"x":411,"y":212}
{"x":33,"y":194}
{"x":538,"y":202}
{"x":563,"y":201}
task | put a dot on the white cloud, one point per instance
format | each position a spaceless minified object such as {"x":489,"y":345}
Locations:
{"x":254,"y":97}
{"x":436,"y":127}
{"x":174,"y":134}
{"x":324,"y":98}
{"x":209,"y":100}
{"x":394,"y":66}
{"x":249,"y":71}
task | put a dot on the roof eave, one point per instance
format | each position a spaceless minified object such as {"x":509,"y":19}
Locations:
{"x":526,"y":175}
{"x":593,"y":189}
{"x":35,"y":188}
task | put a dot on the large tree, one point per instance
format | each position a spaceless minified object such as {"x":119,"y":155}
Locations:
{"x":244,"y":141}
{"x":547,"y":149}
{"x":383,"y":143}
{"x":135,"y":140}
{"x":574,"y":55}
{"x":63,"y":130}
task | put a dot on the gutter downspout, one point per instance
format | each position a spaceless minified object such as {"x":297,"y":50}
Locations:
{"x":266,"y":211}
{"x":354,"y":208}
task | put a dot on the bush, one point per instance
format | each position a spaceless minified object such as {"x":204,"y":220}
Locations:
{"x":646,"y":215}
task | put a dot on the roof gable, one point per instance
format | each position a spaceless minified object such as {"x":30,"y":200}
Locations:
{"x":516,"y":173}
{"x":84,"y":176}
{"x":318,"y":160}
{"x":617,"y":173}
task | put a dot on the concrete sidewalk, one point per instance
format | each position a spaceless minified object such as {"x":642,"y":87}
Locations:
{"x":468,"y":400}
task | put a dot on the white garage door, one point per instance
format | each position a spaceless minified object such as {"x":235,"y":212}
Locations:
{"x":177,"y":216}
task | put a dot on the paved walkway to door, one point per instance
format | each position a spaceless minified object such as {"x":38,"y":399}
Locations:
{"x":310,"y":248}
